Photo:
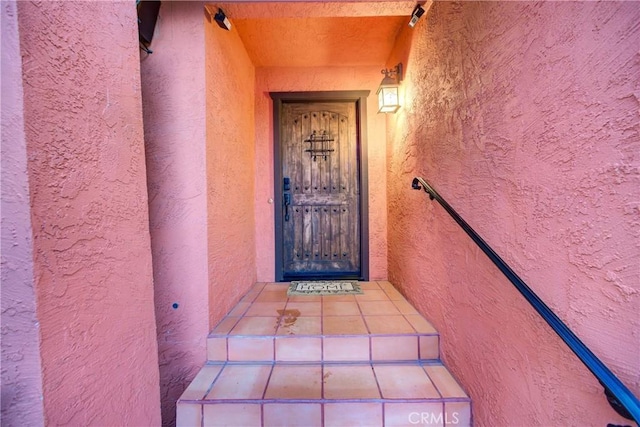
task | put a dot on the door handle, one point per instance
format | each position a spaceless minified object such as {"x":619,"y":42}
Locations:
{"x":287,"y":203}
{"x":286,"y":186}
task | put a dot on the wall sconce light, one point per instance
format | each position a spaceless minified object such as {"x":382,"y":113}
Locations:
{"x":415,"y":15}
{"x":222,"y":20}
{"x":388,"y":92}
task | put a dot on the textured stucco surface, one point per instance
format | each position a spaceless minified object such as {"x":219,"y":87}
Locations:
{"x":87,"y":183}
{"x":525,"y":117}
{"x":319,"y":79}
{"x":21,"y":371}
{"x":230,"y":156}
{"x":173,"y":97}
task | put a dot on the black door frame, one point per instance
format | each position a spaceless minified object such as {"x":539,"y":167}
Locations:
{"x":360,"y":99}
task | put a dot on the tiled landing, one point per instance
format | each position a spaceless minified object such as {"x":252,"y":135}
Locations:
{"x":366,"y":360}
{"x":379,"y":325}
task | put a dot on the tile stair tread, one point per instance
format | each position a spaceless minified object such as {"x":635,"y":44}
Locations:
{"x":353,"y":394}
{"x":250,"y":382}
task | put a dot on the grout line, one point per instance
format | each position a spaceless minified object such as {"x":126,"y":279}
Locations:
{"x":394,"y":362}
{"x":213,"y":382}
{"x":322,"y":382}
{"x":362,"y":315}
{"x":334,"y":400}
{"x":433,"y":383}
{"x":266,"y":385}
{"x":273,"y":349}
{"x":368,"y":330}
{"x":375,"y":376}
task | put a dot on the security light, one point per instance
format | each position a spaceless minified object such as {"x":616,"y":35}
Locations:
{"x":415,"y":15}
{"x":222,"y":20}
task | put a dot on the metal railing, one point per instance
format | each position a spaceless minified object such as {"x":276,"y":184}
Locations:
{"x":618,"y":395}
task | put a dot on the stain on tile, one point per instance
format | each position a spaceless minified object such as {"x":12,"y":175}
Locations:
{"x":288,"y":318}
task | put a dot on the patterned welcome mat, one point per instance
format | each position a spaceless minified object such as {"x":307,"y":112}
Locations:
{"x":337,"y":287}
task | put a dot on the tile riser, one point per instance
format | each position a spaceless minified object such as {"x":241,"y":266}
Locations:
{"x":308,"y":414}
{"x":318,"y":349}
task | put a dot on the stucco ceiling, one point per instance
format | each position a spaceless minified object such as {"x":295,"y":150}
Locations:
{"x":311,"y":34}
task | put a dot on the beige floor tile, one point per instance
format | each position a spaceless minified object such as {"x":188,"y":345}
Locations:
{"x":343,"y":298}
{"x":373,"y":295}
{"x":414,"y":414}
{"x":343,"y":325}
{"x":404,"y":382}
{"x":201,"y":383}
{"x":255,"y":326}
{"x":420,"y":324}
{"x":291,"y":325}
{"x":240,"y":382}
{"x":394,"y":348}
{"x":295,"y":382}
{"x":299,"y":349}
{"x":388,"y":325}
{"x":349,"y":382}
{"x":305,"y":309}
{"x":250,"y":349}
{"x":292,"y":415}
{"x":265,"y":308}
{"x":446,"y":384}
{"x":225,"y":326}
{"x":340,"y":308}
{"x":232,"y":415}
{"x":366,"y":286}
{"x":188,"y":415}
{"x":378,"y":308}
{"x":353,"y":414}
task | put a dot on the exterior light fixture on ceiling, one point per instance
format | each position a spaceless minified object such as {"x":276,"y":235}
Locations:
{"x":388,"y":92}
{"x":415,"y":15}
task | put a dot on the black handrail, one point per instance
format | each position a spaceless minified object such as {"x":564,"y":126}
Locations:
{"x":618,"y":395}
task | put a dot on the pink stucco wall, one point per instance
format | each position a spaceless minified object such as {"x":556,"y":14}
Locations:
{"x":173,"y":97}
{"x":525,"y":117}
{"x":230,"y":156}
{"x":292,"y":79}
{"x":87,"y":183}
{"x":21,"y":370}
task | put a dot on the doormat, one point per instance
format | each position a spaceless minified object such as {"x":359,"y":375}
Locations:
{"x":324,"y":288}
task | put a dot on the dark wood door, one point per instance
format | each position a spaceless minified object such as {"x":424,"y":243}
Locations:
{"x":320,"y":190}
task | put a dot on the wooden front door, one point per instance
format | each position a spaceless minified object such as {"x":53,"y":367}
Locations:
{"x":320,"y":188}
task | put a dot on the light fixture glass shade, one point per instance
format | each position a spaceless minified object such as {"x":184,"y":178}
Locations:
{"x":388,"y":99}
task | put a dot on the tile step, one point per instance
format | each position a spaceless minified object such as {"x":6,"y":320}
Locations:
{"x":324,"y":394}
{"x":379,"y":325}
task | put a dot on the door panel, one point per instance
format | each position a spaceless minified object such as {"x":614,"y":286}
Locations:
{"x":321,"y":217}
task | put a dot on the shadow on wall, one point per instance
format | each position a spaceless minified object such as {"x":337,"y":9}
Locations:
{"x":194,"y":155}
